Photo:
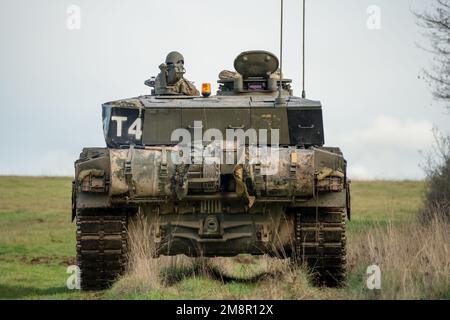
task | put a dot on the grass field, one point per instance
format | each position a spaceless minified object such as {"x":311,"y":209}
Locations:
{"x":37,"y":244}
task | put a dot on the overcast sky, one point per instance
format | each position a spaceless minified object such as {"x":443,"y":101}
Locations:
{"x":53,"y":79}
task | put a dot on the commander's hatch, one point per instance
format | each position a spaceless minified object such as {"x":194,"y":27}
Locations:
{"x":256,"y":71}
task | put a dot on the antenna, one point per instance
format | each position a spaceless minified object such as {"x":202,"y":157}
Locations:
{"x":303,"y":70}
{"x":280,"y":100}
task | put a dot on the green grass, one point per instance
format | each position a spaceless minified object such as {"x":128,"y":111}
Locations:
{"x":380,"y":202}
{"x":37,"y":242}
{"x":37,"y":238}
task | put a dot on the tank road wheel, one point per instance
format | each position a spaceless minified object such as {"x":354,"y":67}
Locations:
{"x":101,"y":246}
{"x":320,"y":242}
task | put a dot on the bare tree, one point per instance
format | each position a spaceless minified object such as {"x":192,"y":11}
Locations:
{"x":436,"y":22}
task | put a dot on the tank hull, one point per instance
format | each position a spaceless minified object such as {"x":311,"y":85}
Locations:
{"x":223,"y":211}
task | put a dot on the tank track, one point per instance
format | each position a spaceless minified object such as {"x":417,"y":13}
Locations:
{"x":101,"y":246}
{"x":320,"y":243}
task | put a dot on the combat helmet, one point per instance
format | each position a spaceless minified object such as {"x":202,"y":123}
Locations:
{"x":174,"y":57}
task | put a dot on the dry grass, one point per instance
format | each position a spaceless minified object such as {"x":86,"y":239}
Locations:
{"x":142,"y":270}
{"x":413,"y":256}
{"x":145,"y":272}
{"x":414,"y":259}
{"x":240,"y":277}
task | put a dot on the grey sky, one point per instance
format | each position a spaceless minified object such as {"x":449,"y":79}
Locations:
{"x":53,"y":80}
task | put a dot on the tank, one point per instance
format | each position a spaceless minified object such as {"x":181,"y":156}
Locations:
{"x":244,"y":171}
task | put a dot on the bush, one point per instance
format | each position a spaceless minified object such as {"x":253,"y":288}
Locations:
{"x":437,"y":197}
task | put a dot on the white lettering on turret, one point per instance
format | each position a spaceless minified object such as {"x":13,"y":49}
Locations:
{"x":119,"y":121}
{"x":135,"y":129}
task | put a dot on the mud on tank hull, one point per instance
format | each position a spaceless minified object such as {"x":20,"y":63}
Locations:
{"x":209,"y":208}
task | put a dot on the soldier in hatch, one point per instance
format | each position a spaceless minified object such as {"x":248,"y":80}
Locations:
{"x":170,"y":80}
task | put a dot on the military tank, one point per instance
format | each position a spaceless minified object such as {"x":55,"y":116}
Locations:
{"x":242,"y":172}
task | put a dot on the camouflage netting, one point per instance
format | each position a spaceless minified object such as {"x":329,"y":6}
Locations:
{"x":227,"y":74}
{"x":186,"y":88}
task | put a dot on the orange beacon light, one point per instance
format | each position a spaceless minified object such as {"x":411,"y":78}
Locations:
{"x":206,"y":89}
